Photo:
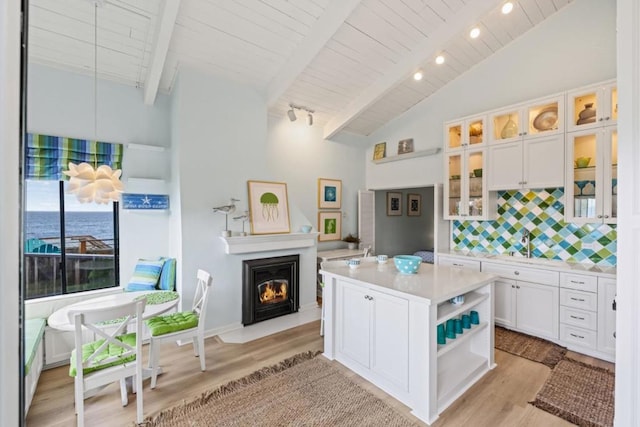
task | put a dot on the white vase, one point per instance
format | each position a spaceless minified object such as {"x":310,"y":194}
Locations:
{"x":352,"y":245}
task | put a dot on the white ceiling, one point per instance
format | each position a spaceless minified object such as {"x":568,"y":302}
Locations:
{"x":351,"y":61}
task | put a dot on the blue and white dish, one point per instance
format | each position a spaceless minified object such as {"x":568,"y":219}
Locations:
{"x":407,"y":264}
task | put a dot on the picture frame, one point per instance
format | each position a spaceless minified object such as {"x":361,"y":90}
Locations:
{"x":329,"y":226}
{"x":394,"y":203}
{"x":268,"y":207}
{"x":329,"y":193}
{"x":405,"y":146}
{"x":380,"y":151}
{"x":414,"y":204}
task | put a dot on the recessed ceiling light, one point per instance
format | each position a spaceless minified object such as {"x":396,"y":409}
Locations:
{"x":439,"y":59}
{"x":474,"y":33}
{"x":417,"y":76}
{"x":507,"y":8}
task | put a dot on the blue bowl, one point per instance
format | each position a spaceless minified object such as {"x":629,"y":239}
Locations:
{"x":407,"y":264}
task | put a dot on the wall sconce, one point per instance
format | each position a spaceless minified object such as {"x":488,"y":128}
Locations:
{"x":292,"y":113}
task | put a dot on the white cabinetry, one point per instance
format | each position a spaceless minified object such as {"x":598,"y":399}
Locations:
{"x":464,"y":133}
{"x":592,"y":177}
{"x":578,"y":310}
{"x":466,"y":195}
{"x":607,"y":315}
{"x":592,"y":106}
{"x":469,"y":264}
{"x":526,"y":299}
{"x":373,"y":331}
{"x":526,"y":146}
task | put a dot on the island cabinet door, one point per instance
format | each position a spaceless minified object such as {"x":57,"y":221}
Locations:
{"x":537,"y":309}
{"x":390,"y":339}
{"x":505,"y":302}
{"x":353,"y":324}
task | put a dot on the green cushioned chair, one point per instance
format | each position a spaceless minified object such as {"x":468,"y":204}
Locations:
{"x":115,"y":356}
{"x":182,"y":325}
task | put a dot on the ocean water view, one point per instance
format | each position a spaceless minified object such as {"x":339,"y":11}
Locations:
{"x":44,"y":224}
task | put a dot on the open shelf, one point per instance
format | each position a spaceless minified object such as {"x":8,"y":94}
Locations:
{"x":421,"y":153}
{"x":456,"y":374}
{"x":460,"y":339}
{"x":446,"y":310}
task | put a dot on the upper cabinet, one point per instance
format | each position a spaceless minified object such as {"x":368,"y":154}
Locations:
{"x":465,"y":133}
{"x":526,"y":146}
{"x":466,"y":192}
{"x":592,"y":107}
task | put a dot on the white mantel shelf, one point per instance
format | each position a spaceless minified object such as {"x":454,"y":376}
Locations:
{"x":268,"y":242}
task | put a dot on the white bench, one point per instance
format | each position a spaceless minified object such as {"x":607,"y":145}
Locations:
{"x":33,"y":357}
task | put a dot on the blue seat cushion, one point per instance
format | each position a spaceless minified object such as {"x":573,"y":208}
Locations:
{"x":34,"y":329}
{"x":112,"y":350}
{"x":168,"y":275}
{"x":145,"y":275}
{"x":175,"y":322}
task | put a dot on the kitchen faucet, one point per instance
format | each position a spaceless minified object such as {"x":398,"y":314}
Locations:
{"x":526,"y":241}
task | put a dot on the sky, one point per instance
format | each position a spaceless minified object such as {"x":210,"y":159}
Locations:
{"x":43,"y":196}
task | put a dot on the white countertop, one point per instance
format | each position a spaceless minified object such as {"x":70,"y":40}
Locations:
{"x":432,"y":282}
{"x":548,"y":264}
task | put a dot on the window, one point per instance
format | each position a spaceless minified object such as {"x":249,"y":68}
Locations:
{"x":68,"y":246}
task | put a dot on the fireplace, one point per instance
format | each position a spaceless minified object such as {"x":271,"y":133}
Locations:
{"x":270,"y":288}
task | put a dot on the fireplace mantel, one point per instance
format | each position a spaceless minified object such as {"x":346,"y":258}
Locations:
{"x":268,"y":242}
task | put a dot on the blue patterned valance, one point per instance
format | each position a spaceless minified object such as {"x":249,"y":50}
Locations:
{"x":47,"y":156}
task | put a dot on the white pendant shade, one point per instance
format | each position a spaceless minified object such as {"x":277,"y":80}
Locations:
{"x":101,"y":185}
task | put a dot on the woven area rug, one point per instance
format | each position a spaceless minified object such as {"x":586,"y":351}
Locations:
{"x":532,"y":348}
{"x":301,"y":391}
{"x":579,"y":393}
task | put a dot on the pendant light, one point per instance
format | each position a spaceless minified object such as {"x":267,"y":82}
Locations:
{"x":102,"y":184}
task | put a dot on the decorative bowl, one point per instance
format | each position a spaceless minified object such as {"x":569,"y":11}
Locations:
{"x":306,"y":228}
{"x":477,"y":173}
{"x":407,"y":264}
{"x":583,"y":162}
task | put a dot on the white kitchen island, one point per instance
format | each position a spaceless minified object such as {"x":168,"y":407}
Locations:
{"x":381,"y":324}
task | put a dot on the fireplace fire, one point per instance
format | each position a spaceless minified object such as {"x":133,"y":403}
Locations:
{"x":269,"y":288}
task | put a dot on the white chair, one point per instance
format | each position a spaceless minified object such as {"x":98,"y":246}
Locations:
{"x":181,"y":325}
{"x":116,"y":355}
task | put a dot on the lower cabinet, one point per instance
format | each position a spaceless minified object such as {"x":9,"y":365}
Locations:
{"x":607,"y":315}
{"x":374,"y":332}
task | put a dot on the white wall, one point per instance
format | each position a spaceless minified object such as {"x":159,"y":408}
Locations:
{"x":574,"y":47}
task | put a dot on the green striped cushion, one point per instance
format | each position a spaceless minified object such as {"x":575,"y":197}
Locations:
{"x":146,"y":275}
{"x":111,"y":350}
{"x":175,"y":322}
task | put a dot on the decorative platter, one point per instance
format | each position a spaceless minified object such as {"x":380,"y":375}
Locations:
{"x":547,"y":119}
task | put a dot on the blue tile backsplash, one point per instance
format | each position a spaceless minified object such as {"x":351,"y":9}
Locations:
{"x":542,"y":213}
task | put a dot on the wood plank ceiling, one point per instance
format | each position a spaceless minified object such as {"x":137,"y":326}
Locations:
{"x":351,"y":61}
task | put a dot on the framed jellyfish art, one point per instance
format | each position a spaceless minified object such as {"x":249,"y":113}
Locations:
{"x":269,"y":207}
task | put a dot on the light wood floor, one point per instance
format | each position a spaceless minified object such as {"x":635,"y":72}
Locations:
{"x":500,"y":398}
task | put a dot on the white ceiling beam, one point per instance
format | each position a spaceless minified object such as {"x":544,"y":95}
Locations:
{"x":324,"y":28}
{"x":166,"y":23}
{"x":460,"y":22}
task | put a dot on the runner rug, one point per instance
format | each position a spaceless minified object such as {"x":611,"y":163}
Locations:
{"x":304,"y":390}
{"x":532,"y":348}
{"x":579,"y":393}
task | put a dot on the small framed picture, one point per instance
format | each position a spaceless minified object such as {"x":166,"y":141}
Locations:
{"x":405,"y":146}
{"x":414,"y":205}
{"x":269,"y":207}
{"x":329,"y":226}
{"x":380,"y":151}
{"x":329,"y":193}
{"x":394,"y":203}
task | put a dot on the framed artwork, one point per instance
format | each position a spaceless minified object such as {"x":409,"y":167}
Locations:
{"x":329,"y":193}
{"x":269,"y":207}
{"x":394,"y":203}
{"x":380,"y":151}
{"x":414,"y":205}
{"x":330,"y":226}
{"x":405,"y":146}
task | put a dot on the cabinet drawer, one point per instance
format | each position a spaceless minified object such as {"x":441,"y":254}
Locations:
{"x":579,"y":282}
{"x":580,"y":318}
{"x":526,"y":274}
{"x":469,"y":264}
{"x":577,"y":336}
{"x":578,"y":299}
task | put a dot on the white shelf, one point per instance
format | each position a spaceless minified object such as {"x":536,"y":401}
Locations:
{"x":268,"y":242}
{"x":446,"y":310}
{"x":421,"y":153}
{"x":146,"y":180}
{"x":456,"y":374}
{"x":146,"y":147}
{"x":460,"y":339}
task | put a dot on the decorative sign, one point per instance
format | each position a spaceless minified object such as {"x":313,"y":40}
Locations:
{"x":145,"y":201}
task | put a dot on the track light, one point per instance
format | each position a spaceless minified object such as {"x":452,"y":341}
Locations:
{"x":292,"y":114}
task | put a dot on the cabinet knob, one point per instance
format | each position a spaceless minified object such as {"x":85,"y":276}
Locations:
{"x":517,"y":286}
{"x":517,"y":273}
{"x":599,"y":216}
{"x":524,"y":133}
{"x":606,"y":216}
{"x":513,"y":286}
{"x":600,"y":119}
{"x":607,"y":118}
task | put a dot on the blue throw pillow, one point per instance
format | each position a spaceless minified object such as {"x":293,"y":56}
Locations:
{"x":168,"y":276}
{"x":146,"y":275}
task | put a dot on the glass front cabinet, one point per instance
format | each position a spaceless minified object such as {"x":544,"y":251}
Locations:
{"x":592,"y":107}
{"x":466,"y":195}
{"x":526,"y":146}
{"x":591,"y":189}
{"x":465,"y":133}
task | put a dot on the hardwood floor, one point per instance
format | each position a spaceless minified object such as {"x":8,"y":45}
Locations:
{"x":500,"y":398}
